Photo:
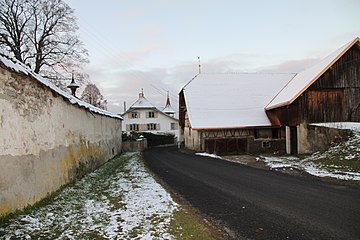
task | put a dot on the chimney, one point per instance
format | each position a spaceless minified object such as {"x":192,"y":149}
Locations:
{"x":142,"y":93}
{"x":124,"y":106}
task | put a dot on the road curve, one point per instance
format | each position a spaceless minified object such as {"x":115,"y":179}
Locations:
{"x":259,"y":204}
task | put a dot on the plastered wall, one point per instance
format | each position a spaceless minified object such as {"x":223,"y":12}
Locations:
{"x":45,"y":141}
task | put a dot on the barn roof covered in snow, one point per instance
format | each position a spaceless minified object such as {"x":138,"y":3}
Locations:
{"x":15,"y":65}
{"x":218,"y":101}
{"x":304,"y":79}
{"x":231,"y":100}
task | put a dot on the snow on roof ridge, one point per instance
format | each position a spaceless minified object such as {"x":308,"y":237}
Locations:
{"x":295,"y":74}
{"x":141,"y":105}
{"x":20,"y":67}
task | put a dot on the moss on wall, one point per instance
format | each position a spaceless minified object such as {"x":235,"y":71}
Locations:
{"x":4,"y":208}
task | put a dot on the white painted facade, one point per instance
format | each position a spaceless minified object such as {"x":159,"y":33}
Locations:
{"x":143,"y":116}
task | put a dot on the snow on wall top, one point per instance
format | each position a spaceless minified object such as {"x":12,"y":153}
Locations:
{"x":231,"y":100}
{"x":19,"y":67}
{"x":354,"y":126}
{"x":305,"y":78}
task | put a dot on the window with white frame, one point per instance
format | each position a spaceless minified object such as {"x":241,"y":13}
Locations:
{"x":172,"y":126}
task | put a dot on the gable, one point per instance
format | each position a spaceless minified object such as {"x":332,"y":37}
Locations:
{"x":306,"y":78}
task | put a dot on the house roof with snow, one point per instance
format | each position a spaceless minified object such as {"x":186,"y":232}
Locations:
{"x":142,"y":102}
{"x":304,"y":79}
{"x":231,"y":100}
{"x":16,"y":66}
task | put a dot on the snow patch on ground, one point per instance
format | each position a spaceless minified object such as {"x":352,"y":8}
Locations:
{"x":208,"y":155}
{"x":317,"y":163}
{"x":118,"y":201}
{"x":310,"y":167}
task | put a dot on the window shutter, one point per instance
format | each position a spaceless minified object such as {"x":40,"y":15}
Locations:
{"x":158,"y":126}
{"x":127,"y":127}
{"x":142,"y":127}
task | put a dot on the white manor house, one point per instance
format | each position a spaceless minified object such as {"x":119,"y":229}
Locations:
{"x":143,"y":116}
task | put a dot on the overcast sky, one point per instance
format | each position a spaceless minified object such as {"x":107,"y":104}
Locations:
{"x":155,"y":44}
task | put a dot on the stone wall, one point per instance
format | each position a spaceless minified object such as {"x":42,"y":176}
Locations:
{"x":316,"y":138}
{"x":135,"y":146}
{"x":46,"y":139}
{"x":261,"y":146}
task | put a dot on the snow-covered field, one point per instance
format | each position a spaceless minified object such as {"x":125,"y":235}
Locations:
{"x":118,"y":201}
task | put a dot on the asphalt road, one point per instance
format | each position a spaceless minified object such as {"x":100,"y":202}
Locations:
{"x":259,"y":204}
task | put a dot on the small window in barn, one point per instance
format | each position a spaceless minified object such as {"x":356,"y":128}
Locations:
{"x":265,"y":144}
{"x":172,"y":126}
{"x":275,"y":133}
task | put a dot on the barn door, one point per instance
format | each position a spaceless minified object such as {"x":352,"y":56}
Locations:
{"x":293,"y":140}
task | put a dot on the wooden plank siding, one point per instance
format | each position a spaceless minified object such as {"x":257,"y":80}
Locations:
{"x":334,"y":97}
{"x":182,"y":109}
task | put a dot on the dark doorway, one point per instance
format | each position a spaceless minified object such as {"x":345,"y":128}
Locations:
{"x":230,"y":146}
{"x":293,"y":140}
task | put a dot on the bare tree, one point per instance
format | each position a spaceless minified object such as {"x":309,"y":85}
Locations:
{"x":92,"y":95}
{"x":42,"y":34}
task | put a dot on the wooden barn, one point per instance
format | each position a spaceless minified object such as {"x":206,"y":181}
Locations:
{"x":257,"y":112}
{"x":327,"y":92}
